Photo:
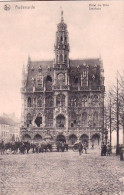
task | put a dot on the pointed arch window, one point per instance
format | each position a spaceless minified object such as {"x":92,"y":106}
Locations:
{"x":49,"y":119}
{"x":29,"y":119}
{"x":38,"y":120}
{"x":84,"y":118}
{"x":49,"y":101}
{"x":65,"y":58}
{"x":61,"y":59}
{"x":95,"y":118}
{"x":29,"y":102}
{"x":84,"y":100}
{"x":61,"y":38}
{"x":74,"y":101}
{"x":48,"y":83}
{"x":39,"y":102}
{"x":60,"y":100}
{"x":60,"y":121}
{"x":75,"y":80}
{"x":73,"y":119}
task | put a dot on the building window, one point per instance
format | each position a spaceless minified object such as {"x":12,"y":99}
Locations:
{"x":29,"y":102}
{"x":75,"y":80}
{"x":84,"y":98}
{"x":60,"y":100}
{"x":61,"y":38}
{"x":84,"y":74}
{"x":74,"y":101}
{"x":61,"y":59}
{"x":29,"y":119}
{"x":39,"y":102}
{"x":73,"y":119}
{"x":95,"y":118}
{"x":38,"y":120}
{"x":49,"y":101}
{"x":49,"y":119}
{"x":84,"y":118}
{"x":94,"y":98}
{"x":60,"y":121}
{"x":49,"y":83}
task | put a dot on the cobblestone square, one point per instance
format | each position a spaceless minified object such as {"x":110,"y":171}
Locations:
{"x":64,"y":173}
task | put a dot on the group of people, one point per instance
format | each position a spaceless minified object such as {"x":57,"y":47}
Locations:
{"x":105,"y":149}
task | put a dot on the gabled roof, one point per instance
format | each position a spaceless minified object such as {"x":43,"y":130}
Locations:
{"x":83,"y":62}
{"x":7,"y":121}
{"x":47,"y":65}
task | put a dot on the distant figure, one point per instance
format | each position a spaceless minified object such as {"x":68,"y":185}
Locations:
{"x":103,"y":149}
{"x":80,"y":148}
{"x":85,"y":148}
{"x":108,"y":149}
{"x":92,"y":145}
{"x":2,"y":147}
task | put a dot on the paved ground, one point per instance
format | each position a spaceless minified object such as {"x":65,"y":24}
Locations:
{"x":61,"y":174}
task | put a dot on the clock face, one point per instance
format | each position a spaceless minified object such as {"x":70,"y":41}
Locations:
{"x":61,"y":77}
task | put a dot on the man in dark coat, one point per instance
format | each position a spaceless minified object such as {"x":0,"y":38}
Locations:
{"x":103,"y":149}
{"x":80,"y":148}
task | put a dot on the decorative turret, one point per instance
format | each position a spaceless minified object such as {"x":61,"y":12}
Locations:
{"x":23,"y":76}
{"x":62,"y":44}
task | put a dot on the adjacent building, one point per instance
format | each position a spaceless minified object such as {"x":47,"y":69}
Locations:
{"x":63,"y":99}
{"x":9,"y":129}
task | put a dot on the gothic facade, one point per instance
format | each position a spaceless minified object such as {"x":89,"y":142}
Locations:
{"x":63,"y":99}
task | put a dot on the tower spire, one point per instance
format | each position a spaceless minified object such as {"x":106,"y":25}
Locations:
{"x":62,"y":43}
{"x":62,"y":19}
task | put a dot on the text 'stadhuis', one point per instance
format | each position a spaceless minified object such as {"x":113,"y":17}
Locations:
{"x":63,"y":99}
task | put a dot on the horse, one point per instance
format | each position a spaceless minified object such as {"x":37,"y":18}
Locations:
{"x":22,"y":148}
{"x":27,"y":146}
{"x":8,"y":146}
{"x":33,"y":146}
{"x":62,"y":146}
{"x":46,"y":147}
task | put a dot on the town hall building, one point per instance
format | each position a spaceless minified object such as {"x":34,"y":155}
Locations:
{"x":63,"y":99}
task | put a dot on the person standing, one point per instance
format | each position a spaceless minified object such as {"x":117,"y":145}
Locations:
{"x":80,"y":148}
{"x":85,"y":148}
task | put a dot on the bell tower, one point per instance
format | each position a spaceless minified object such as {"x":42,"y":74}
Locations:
{"x":62,"y":45}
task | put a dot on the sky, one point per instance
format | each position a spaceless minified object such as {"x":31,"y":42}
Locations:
{"x":24,"y":32}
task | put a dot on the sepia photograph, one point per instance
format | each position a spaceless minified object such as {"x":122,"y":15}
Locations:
{"x":62,"y":98}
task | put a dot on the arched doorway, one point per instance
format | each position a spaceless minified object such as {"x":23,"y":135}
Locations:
{"x":95,"y":140}
{"x":60,"y":121}
{"x":26,"y":137}
{"x":38,"y":120}
{"x":72,"y":139}
{"x":37,"y":137}
{"x":61,"y":138}
{"x":84,"y":139}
